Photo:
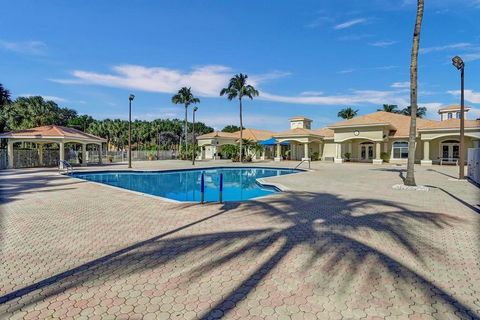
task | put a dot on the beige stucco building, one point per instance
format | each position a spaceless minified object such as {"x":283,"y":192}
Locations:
{"x":375,"y":138}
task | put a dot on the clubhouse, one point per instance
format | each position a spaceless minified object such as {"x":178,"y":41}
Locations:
{"x":375,"y":138}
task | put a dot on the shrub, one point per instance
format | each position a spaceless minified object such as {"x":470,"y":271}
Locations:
{"x":347,"y":156}
{"x":316,"y":156}
{"x":230,"y":151}
{"x":385,"y":156}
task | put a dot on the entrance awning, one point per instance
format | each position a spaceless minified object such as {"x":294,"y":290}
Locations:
{"x":272,"y":142}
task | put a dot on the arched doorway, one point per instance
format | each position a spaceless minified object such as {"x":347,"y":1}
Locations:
{"x":366,"y":151}
{"x":450,"y":149}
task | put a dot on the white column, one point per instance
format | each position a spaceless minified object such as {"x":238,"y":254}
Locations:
{"x":378,"y":151}
{"x":320,"y":151}
{"x":10,"y":154}
{"x":263,"y":154}
{"x":338,"y":153}
{"x":306,"y":156}
{"x":62,"y":151}
{"x":100,"y":153}
{"x":278,"y":156}
{"x":84,"y":154}
{"x":426,"y":154}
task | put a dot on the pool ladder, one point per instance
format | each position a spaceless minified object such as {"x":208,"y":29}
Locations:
{"x":65,"y":165}
{"x":298,"y":165}
{"x":202,"y":188}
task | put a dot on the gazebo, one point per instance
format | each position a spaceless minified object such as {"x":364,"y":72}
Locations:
{"x":51,"y":134}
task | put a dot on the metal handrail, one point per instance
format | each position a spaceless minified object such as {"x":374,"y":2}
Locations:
{"x":64,"y":164}
{"x":298,"y":165}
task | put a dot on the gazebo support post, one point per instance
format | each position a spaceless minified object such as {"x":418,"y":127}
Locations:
{"x":10,"y":154}
{"x":62,"y":150}
{"x":84,"y":154}
{"x":100,"y":151}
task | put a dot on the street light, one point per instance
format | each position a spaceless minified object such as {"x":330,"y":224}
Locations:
{"x":193,"y":136}
{"x":460,"y":65}
{"x":130,"y":99}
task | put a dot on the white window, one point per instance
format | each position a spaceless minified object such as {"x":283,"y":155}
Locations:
{"x":458,"y":115}
{"x":400,"y":150}
{"x":450,"y":115}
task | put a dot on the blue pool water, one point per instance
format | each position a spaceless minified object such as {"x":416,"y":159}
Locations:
{"x":184,"y":185}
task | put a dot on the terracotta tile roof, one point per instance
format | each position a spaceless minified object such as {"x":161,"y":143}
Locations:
{"x":300,"y":118}
{"x":451,"y":107}
{"x":450,"y":124}
{"x":324,"y":132}
{"x":219,"y":134}
{"x":52,"y":131}
{"x":399,"y":123}
{"x":255,"y":134}
{"x":296,"y":132}
{"x":248,"y":133}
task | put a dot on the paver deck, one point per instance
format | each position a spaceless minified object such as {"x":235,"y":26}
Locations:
{"x":340,"y":243}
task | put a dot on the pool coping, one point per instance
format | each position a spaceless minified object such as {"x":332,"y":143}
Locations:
{"x":261,"y":181}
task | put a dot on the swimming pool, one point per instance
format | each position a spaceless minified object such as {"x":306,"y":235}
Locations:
{"x":184,"y":185}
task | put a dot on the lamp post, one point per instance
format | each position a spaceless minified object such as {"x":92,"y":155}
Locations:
{"x":460,"y":65}
{"x":193,"y":136}
{"x":130,"y":99}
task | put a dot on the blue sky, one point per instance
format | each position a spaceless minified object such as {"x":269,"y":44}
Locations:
{"x":308,"y":58}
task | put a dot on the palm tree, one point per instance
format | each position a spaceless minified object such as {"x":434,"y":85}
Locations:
{"x":421,"y":111}
{"x":392,"y":108}
{"x":238,"y":88}
{"x":347,"y":113}
{"x":185,"y":97}
{"x":410,"y":178}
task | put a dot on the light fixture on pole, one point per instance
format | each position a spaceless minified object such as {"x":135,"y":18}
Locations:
{"x":460,"y":65}
{"x":193,"y":136}
{"x":130,"y":99}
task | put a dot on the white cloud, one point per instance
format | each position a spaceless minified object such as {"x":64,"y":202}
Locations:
{"x":461,"y":45}
{"x":470,"y":95}
{"x":27,"y":47}
{"x":311,"y":93}
{"x":355,"y":97}
{"x":383,"y":44}
{"x":402,"y":85}
{"x":205,"y":81}
{"x":471,"y":56}
{"x":350,"y":23}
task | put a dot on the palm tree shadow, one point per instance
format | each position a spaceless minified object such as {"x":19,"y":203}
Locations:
{"x":323,"y":225}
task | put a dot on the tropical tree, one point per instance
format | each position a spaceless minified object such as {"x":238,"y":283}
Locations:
{"x":80,"y":122}
{"x":5,"y":100}
{"x":392,"y":108}
{"x":347,"y":113}
{"x":410,"y":178}
{"x":231,"y":128}
{"x":421,"y":111}
{"x":185,"y":97}
{"x":28,"y":112}
{"x":238,"y":88}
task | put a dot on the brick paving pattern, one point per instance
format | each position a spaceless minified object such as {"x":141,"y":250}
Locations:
{"x":339,"y":244}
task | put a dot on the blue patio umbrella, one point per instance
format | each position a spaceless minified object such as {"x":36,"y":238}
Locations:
{"x":271,"y":142}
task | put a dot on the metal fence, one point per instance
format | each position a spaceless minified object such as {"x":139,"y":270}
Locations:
{"x":31,"y":158}
{"x":3,"y":158}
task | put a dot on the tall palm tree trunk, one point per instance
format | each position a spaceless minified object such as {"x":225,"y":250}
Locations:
{"x":185,"y":128}
{"x":241,"y":131}
{"x":410,"y":179}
